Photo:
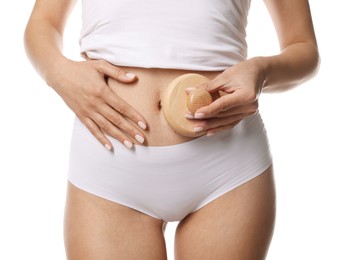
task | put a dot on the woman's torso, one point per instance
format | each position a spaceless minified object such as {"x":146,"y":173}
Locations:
{"x":145,"y":94}
{"x":159,"y":41}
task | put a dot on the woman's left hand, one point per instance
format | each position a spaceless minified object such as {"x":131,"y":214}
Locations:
{"x":239,"y":87}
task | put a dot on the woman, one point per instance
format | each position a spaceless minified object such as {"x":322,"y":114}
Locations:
{"x":219,"y":186}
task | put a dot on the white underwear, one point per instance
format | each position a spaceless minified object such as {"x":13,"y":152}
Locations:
{"x":170,"y":182}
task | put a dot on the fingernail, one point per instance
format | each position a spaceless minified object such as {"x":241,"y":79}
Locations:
{"x":139,"y":138}
{"x":108,"y":147}
{"x":130,"y":75}
{"x":128,"y":144}
{"x":199,"y":115}
{"x":198,"y":129}
{"x":189,"y":89}
{"x":189,"y":116}
{"x":209,"y":134}
{"x":142,"y":124}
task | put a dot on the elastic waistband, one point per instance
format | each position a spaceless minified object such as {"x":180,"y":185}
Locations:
{"x":251,"y":126}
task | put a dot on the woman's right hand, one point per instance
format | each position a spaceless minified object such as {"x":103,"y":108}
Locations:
{"x":83,"y":87}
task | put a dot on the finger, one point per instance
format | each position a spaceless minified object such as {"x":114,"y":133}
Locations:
{"x":191,"y":88}
{"x":219,"y":105}
{"x":110,"y":129}
{"x":120,"y":122}
{"x":115,"y":72}
{"x":245,"y":109}
{"x":217,"y":130}
{"x":98,"y":134}
{"x":124,"y":108}
{"x":212,"y":123}
{"x":215,"y":84}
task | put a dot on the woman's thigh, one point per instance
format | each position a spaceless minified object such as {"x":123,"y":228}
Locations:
{"x":238,"y":225}
{"x":96,"y":228}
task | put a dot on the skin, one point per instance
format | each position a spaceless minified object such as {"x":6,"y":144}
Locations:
{"x":110,"y":101}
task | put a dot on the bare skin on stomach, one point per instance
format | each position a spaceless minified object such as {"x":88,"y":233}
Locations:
{"x":145,"y":95}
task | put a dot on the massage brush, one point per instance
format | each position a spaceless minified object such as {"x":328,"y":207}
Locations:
{"x":176,"y":103}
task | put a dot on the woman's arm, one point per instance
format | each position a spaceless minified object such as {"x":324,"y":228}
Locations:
{"x":44,"y":35}
{"x":299,"y":57}
{"x":82,"y":85}
{"x":242,"y":83}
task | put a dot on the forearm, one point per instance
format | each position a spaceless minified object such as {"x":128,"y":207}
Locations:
{"x":294,"y":65}
{"x":43,"y":44}
{"x":299,"y":58}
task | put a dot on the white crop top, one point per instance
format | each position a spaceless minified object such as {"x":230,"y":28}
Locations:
{"x":207,"y":35}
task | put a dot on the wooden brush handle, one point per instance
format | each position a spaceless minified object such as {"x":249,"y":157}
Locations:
{"x":198,"y":98}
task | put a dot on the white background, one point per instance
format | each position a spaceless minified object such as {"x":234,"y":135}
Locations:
{"x":304,"y":127}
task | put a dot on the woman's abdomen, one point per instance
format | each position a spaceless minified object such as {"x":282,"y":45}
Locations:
{"x":145,"y":94}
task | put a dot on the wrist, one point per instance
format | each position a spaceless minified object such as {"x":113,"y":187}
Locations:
{"x":54,"y":72}
{"x":262,"y":68}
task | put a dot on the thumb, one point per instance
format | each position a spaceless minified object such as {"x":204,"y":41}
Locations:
{"x":117,"y":73}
